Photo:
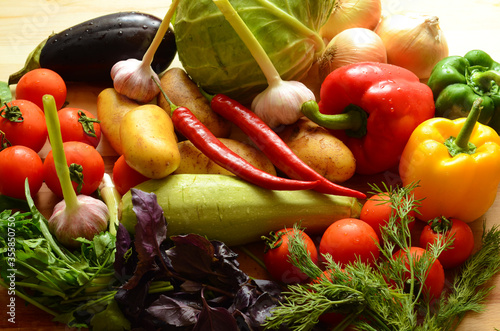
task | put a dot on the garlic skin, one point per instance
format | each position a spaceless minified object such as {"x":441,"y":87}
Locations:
{"x":88,"y":218}
{"x":413,"y":41}
{"x":280,"y":103}
{"x":134,"y":79}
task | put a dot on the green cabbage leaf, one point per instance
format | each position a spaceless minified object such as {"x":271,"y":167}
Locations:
{"x":215,"y":57}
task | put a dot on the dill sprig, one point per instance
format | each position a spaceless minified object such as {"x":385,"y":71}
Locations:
{"x":382,"y":296}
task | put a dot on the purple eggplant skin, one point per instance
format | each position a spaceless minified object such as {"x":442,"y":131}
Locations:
{"x":87,"y":51}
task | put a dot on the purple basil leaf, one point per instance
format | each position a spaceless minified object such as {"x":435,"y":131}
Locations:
{"x":268,"y":286}
{"x":150,"y":233}
{"x":245,"y":297}
{"x":261,"y":309}
{"x":191,"y":286}
{"x":215,"y":319}
{"x":191,"y":256}
{"x":174,"y":312}
{"x":244,"y":322}
{"x":133,"y":302}
{"x":123,"y":243}
{"x":227,"y":267}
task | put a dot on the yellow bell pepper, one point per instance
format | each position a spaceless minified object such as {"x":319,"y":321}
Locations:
{"x":456,"y":164}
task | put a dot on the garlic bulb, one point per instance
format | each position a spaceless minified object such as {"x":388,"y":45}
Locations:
{"x":280,"y":103}
{"x":75,"y":216}
{"x":413,"y":41}
{"x":87,"y":219}
{"x":133,"y":78}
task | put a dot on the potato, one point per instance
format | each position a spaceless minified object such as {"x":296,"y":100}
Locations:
{"x":193,"y":161}
{"x":317,"y":147}
{"x":183,"y":92}
{"x":111,"y":107}
{"x":149,"y":142}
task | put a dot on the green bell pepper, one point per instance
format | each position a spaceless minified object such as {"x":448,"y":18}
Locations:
{"x":456,"y":82}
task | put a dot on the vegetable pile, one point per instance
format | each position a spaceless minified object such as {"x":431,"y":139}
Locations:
{"x":256,"y":146}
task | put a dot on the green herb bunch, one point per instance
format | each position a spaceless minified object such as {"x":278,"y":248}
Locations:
{"x":76,"y":287}
{"x":381,"y":296}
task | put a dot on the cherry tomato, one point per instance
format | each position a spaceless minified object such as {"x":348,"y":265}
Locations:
{"x":276,"y":257}
{"x":377,"y":211}
{"x":349,"y":239}
{"x":16,"y":164}
{"x":79,"y":125}
{"x":434,"y":283}
{"x":125,"y":177}
{"x":34,"y":84}
{"x":463,"y":243}
{"x":23,"y":123}
{"x":81,"y":154}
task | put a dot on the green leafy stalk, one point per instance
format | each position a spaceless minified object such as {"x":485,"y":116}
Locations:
{"x":62,"y":170}
{"x":112,"y":198}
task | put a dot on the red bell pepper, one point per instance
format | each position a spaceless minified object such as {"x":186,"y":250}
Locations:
{"x":373,"y":108}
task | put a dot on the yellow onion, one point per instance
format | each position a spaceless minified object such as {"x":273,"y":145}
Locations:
{"x":351,"y":46}
{"x":413,"y":41}
{"x":351,"y":14}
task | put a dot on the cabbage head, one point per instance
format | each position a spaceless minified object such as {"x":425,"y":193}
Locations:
{"x":214,"y":56}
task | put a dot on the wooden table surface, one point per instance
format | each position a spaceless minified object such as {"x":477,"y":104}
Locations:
{"x":467,"y":24}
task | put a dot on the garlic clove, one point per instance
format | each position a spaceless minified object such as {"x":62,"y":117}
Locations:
{"x":280,"y":103}
{"x":134,"y":79}
{"x":88,"y":218}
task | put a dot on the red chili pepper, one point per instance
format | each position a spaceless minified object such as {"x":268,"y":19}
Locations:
{"x":189,"y":126}
{"x":274,"y":147}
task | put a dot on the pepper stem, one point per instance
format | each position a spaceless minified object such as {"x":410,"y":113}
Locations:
{"x":461,"y":143}
{"x":353,"y":119}
{"x":173,"y":107}
{"x":62,"y":169}
{"x":484,"y":79}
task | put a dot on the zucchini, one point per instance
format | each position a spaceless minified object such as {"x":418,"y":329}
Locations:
{"x":234,"y":211}
{"x":87,"y":51}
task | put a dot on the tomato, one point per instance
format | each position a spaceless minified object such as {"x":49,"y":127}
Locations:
{"x":81,"y":154}
{"x":349,"y":239}
{"x":79,"y":125}
{"x":34,"y":84}
{"x":23,"y":123}
{"x":276,"y":257}
{"x":16,"y":164}
{"x":434,"y":283}
{"x":463,"y":243}
{"x":377,"y":211}
{"x":125,"y":177}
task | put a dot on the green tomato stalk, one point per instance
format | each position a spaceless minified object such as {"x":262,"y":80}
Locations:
{"x":280,"y":102}
{"x":75,"y":216}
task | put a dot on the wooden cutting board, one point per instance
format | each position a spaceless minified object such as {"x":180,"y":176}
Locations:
{"x":467,"y":24}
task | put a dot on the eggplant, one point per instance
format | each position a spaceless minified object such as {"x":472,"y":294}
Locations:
{"x":87,"y":51}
